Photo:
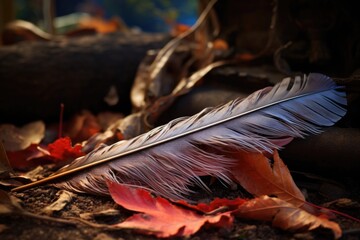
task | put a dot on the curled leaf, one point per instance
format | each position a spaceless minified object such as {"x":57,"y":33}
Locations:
{"x":5,"y":167}
{"x":16,"y":139}
{"x":64,"y":198}
{"x":104,"y":213}
{"x":216,"y":205}
{"x":284,"y":215}
{"x":8,"y":204}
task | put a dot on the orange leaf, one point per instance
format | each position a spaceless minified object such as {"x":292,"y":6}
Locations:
{"x":82,"y":126}
{"x":284,"y":215}
{"x":245,"y":57}
{"x":220,"y":44}
{"x":62,"y":150}
{"x":255,"y":174}
{"x":160,"y":217}
{"x":102,"y":25}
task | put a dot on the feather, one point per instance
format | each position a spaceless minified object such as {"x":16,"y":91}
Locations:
{"x":171,"y":158}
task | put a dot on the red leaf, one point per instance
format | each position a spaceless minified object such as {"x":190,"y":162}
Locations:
{"x":164,"y":219}
{"x":284,"y":215}
{"x":160,"y":217}
{"x":216,"y":204}
{"x":61,"y":150}
{"x":27,"y":158}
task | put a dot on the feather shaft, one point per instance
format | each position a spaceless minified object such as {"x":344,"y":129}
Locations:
{"x":170,"y":158}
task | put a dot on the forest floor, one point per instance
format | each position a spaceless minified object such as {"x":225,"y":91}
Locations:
{"x":341,"y":194}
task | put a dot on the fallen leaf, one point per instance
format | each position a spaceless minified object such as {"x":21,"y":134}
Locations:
{"x":255,"y":173}
{"x":35,"y":174}
{"x":3,"y":228}
{"x":81,"y":127}
{"x":220,"y":44}
{"x":104,"y":213}
{"x":62,"y":150}
{"x":218,"y":204}
{"x":5,"y":168}
{"x":139,"y":88}
{"x":16,"y":139}
{"x":124,"y":128}
{"x":10,"y":183}
{"x":107,"y":119}
{"x":284,"y":215}
{"x":64,"y":198}
{"x":158,"y":216}
{"x":131,"y":126}
{"x":98,"y":139}
{"x":178,"y":29}
{"x":160,"y":72}
{"x":245,"y":57}
{"x":8,"y":205}
{"x":20,"y":160}
{"x":102,"y":25}
{"x":14,"y":180}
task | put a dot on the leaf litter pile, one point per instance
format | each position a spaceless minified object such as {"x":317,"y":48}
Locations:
{"x":215,"y":175}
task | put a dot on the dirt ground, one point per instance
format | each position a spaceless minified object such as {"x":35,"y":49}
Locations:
{"x":328,"y":192}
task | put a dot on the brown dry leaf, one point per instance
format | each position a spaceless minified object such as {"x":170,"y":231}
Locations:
{"x":158,"y":74}
{"x":16,"y":139}
{"x":139,"y":87}
{"x":9,"y":205}
{"x":104,"y":213}
{"x":102,"y":25}
{"x":131,"y":126}
{"x":284,"y":215}
{"x":158,"y":216}
{"x":5,"y":168}
{"x":107,"y":119}
{"x":3,"y":228}
{"x":185,"y":84}
{"x":64,"y":198}
{"x":124,"y":128}
{"x":255,"y":173}
{"x":81,"y":127}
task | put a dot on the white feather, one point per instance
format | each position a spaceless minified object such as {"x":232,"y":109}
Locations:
{"x":170,"y":158}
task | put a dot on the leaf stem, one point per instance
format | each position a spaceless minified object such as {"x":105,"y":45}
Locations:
{"x":334,"y":211}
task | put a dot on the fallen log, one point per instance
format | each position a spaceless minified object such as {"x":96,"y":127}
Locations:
{"x":36,"y":77}
{"x":334,"y":151}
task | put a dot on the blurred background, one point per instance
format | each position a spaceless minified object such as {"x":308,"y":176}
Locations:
{"x":58,"y":17}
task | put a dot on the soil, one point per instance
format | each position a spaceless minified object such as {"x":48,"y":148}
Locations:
{"x":35,"y":200}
